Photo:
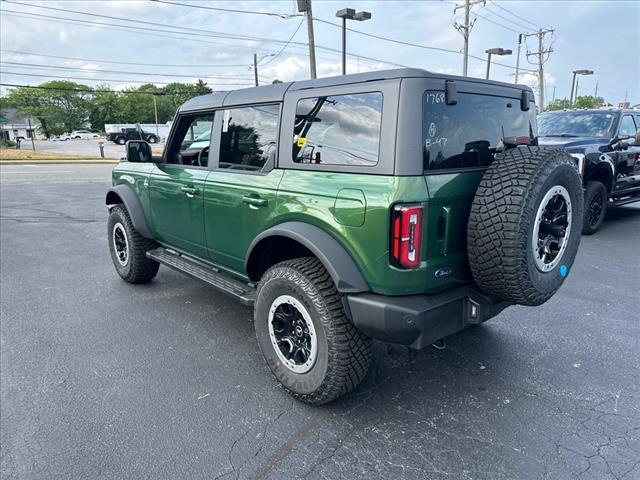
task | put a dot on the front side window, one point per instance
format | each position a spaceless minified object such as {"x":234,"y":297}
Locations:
{"x":190,"y":145}
{"x":627,"y":127}
{"x":338,"y":130}
{"x":249,"y":137}
{"x":468,"y":134}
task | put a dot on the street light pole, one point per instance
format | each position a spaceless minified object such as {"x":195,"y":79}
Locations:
{"x":344,"y":45}
{"x":518,"y":57}
{"x":495,"y":51}
{"x":255,"y":68}
{"x":574,"y":84}
{"x":349,"y":14}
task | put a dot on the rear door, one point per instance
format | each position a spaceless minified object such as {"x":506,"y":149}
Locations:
{"x":176,"y":186}
{"x":240,"y":192}
{"x":458,"y":144}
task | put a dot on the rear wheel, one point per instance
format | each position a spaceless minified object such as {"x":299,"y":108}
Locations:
{"x":310,"y":345}
{"x":595,"y":207}
{"x":128,"y":248}
{"x":524,"y":226}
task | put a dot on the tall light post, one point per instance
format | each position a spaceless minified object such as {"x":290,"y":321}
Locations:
{"x":495,"y":51}
{"x":349,"y":14}
{"x":574,"y":87}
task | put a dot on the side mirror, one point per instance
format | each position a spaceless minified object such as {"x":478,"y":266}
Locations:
{"x":138,"y":151}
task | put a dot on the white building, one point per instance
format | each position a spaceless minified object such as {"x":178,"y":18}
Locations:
{"x":15,"y":124}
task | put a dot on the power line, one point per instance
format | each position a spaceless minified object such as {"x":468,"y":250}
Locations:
{"x":182,"y":31}
{"x":496,"y":23}
{"x":516,"y":15}
{"x":410,"y":44}
{"x":95,"y":70}
{"x":284,"y":46}
{"x":33,"y":54}
{"x":517,"y":24}
{"x":271,"y":14}
{"x":85,"y":90}
{"x":110,"y":79}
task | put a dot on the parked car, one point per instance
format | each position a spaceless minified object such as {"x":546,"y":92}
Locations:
{"x":126,"y":134}
{"x":83,"y":134}
{"x":606,"y":145}
{"x":400,"y":205}
{"x":60,"y":138}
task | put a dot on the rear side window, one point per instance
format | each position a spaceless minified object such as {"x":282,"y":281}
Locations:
{"x":338,"y":130}
{"x":249,"y":136}
{"x":468,"y":134}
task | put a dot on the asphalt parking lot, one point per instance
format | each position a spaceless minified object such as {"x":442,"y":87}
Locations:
{"x":102,"y":379}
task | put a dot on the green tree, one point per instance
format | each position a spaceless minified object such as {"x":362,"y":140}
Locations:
{"x":105,"y":108}
{"x":588,"y":101}
{"x":559,"y":104}
{"x":60,"y":106}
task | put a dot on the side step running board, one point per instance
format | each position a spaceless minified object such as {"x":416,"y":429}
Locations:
{"x":220,"y":281}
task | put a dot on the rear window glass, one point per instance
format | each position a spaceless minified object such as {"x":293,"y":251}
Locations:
{"x":468,"y":134}
{"x":338,"y":130}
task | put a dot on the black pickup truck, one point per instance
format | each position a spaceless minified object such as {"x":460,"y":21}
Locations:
{"x":606,"y":146}
{"x":126,"y":134}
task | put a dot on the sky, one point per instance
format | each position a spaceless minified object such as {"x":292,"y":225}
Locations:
{"x":183,"y":43}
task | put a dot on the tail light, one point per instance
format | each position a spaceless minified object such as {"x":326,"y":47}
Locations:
{"x":406,"y":228}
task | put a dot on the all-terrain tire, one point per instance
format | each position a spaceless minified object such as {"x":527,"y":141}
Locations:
{"x":595,"y":206}
{"x":343,"y":353}
{"x":136,"y":267}
{"x":503,"y":218}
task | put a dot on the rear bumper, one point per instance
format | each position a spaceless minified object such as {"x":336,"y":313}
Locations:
{"x":420,"y":320}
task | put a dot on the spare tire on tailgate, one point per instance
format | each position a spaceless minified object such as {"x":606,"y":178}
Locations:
{"x":524,"y":228}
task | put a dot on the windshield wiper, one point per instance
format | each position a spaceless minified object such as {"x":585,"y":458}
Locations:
{"x":564,"y":135}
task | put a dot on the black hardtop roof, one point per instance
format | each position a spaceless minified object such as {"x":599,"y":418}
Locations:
{"x":276,"y":92}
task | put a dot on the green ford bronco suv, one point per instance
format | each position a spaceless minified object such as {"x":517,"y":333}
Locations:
{"x":399,"y":205}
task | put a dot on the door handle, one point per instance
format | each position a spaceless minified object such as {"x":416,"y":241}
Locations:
{"x":190,"y":191}
{"x":255,"y":202}
{"x":445,"y":231}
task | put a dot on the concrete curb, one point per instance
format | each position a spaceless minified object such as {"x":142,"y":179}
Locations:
{"x":33,"y":161}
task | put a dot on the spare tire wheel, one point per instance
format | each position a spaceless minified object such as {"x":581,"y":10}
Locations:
{"x":525,"y":224}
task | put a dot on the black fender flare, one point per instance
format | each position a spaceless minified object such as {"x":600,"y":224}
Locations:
{"x":343,"y":270}
{"x":132,"y":203}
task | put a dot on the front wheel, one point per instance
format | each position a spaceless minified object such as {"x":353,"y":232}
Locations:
{"x":120,"y":141}
{"x":310,"y":345}
{"x":153,"y":139}
{"x":129,"y":249}
{"x":595,"y":207}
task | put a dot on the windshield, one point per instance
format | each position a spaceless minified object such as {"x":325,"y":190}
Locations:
{"x":576,"y":124}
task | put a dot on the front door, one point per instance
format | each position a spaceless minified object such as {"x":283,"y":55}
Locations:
{"x":240,"y":192}
{"x":176,"y":186}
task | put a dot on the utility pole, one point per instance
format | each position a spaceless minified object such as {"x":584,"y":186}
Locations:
{"x":465,"y":30}
{"x":155,"y":110}
{"x":595,"y":95}
{"x":541,"y":59}
{"x":518,"y":57}
{"x":255,"y":68}
{"x":305,"y":6}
